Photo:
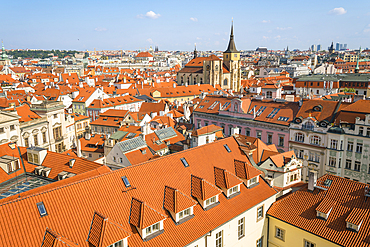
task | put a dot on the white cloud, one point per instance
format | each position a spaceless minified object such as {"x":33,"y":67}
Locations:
{"x":283,"y":28}
{"x":217,"y":33}
{"x":367,"y":29}
{"x":193,"y":19}
{"x":278,"y":37}
{"x":265,"y":37}
{"x":149,"y":14}
{"x":100,"y":29}
{"x":338,"y":11}
{"x":199,"y":38}
{"x":150,"y":40}
{"x":266,"y":21}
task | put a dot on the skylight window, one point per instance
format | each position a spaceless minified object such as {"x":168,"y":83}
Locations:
{"x":260,"y":110}
{"x":284,"y":119}
{"x":184,"y":162}
{"x":126,"y":182}
{"x":130,"y":135}
{"x":225,"y":105}
{"x":227,"y":148}
{"x":41,"y":208}
{"x":213,"y":105}
{"x":273,"y":113}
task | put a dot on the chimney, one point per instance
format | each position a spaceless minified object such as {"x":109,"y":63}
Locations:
{"x":79,"y":148}
{"x":161,"y":113}
{"x":312,"y":180}
{"x":174,"y":85}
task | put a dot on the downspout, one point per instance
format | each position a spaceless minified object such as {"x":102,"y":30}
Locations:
{"x":205,"y":238}
{"x":268,"y":230}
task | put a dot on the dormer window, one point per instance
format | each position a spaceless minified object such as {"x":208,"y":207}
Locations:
{"x":233,"y":190}
{"x":353,"y":227}
{"x":211,"y":201}
{"x":322,"y":215}
{"x":152,"y":229}
{"x":185,"y":213}
{"x":118,"y":244}
{"x":252,"y":181}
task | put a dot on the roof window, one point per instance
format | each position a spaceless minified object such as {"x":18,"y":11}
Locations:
{"x":184,"y":162}
{"x":227,"y":148}
{"x":328,"y":182}
{"x":41,"y":208}
{"x":126,"y":182}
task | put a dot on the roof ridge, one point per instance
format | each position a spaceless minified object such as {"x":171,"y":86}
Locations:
{"x":112,"y":172}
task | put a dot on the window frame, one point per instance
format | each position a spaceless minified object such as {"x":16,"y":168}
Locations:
{"x":219,"y":239}
{"x":299,"y":137}
{"x":241,"y":228}
{"x":279,"y":236}
{"x":260,"y":213}
{"x":359,"y":147}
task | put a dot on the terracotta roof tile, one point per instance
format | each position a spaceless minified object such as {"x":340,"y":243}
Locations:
{"x":176,"y":201}
{"x":245,"y":170}
{"x":349,"y":203}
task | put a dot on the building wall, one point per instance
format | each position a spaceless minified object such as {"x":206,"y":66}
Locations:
{"x":293,"y":235}
{"x":246,"y":127}
{"x":315,"y":161}
{"x":254,"y":229}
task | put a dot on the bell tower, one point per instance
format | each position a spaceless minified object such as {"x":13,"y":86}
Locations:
{"x":231,"y":59}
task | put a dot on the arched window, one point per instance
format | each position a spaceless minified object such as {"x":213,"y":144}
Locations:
{"x":308,"y":125}
{"x":188,"y":80}
{"x":225,"y":82}
{"x":182,"y":80}
{"x":316,"y":140}
{"x":201,"y":80}
{"x":236,"y":107}
{"x":195,"y":80}
{"x":299,"y":137}
{"x":269,"y":95}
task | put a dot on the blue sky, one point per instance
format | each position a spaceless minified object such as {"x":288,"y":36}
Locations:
{"x":177,"y":25}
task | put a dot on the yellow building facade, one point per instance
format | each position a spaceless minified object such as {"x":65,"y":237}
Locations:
{"x":282,"y":234}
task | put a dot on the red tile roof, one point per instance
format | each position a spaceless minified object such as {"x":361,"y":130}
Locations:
{"x":344,"y":196}
{"x":70,"y":208}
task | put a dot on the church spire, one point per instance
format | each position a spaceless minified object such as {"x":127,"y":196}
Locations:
{"x":231,"y":48}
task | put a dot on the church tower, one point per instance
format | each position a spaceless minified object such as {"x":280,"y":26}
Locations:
{"x":231,"y":59}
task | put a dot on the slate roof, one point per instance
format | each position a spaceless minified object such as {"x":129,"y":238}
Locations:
{"x":131,"y":144}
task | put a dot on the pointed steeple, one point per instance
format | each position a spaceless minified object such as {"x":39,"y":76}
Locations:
{"x":231,"y":48}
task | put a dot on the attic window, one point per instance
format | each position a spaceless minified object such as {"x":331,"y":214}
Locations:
{"x":126,"y":182}
{"x":184,"y":162}
{"x":328,"y":182}
{"x":41,"y":208}
{"x":227,"y":148}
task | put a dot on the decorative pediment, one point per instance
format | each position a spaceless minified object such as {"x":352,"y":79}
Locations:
{"x":35,"y":131}
{"x":44,"y":129}
{"x":4,"y":141}
{"x":14,"y":138}
{"x":26,"y":135}
{"x":57,"y":125}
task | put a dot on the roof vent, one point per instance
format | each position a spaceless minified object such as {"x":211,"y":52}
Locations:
{"x":71,"y":162}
